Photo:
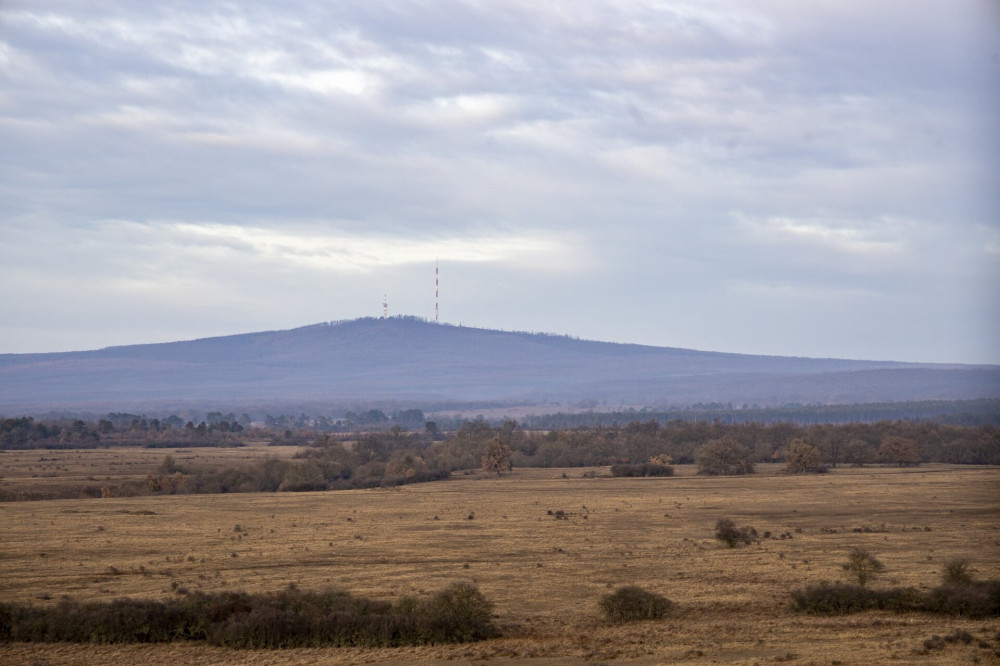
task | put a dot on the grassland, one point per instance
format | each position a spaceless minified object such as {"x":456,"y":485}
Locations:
{"x":43,"y":470}
{"x":545,"y":575}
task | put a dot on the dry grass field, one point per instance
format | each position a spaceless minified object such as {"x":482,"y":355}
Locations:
{"x":41,"y":469}
{"x":544,"y":574}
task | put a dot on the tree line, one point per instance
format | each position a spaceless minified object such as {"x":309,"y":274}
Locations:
{"x":329,"y":461}
{"x":634,"y":442}
{"x":855,"y":444}
{"x":977,"y":412}
{"x":27,"y":433}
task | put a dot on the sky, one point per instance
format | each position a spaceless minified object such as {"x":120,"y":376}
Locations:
{"x":767,"y":176}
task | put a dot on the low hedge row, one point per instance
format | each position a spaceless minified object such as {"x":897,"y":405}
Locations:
{"x":642,"y":469}
{"x":290,"y":618}
{"x":973,"y":599}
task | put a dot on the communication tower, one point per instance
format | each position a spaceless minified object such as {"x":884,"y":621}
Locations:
{"x":385,"y":306}
{"x":435,"y":291}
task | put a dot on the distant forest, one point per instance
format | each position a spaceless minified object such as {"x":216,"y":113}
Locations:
{"x":955,"y":412}
{"x":396,"y":455}
{"x":448,"y":415}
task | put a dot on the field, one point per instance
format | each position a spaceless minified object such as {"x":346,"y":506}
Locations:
{"x":44,"y":470}
{"x":545,"y":572}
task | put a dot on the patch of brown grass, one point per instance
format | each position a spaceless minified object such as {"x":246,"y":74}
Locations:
{"x":545,"y":576}
{"x":42,"y":471}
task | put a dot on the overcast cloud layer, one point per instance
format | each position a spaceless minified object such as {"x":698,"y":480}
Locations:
{"x":797,"y":178}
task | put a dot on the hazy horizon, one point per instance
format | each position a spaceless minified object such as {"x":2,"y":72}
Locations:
{"x":427,"y":320}
{"x":444,"y":323}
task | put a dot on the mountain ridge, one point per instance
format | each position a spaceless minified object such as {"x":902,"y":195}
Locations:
{"x":409,"y":359}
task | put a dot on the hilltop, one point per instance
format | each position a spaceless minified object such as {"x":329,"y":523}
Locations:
{"x":408,"y":360}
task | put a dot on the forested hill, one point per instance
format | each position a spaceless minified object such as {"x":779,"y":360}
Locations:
{"x":411,"y":361}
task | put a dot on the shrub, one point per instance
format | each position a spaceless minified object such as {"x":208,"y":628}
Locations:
{"x":264,"y":627}
{"x":458,"y":614}
{"x":933,"y":643}
{"x":5,"y":623}
{"x":628,"y":604}
{"x":723,"y":456}
{"x":727,"y":532}
{"x":959,"y":635}
{"x":836,"y":599}
{"x":975,"y":600}
{"x":939,"y":643}
{"x":290,"y":618}
{"x":844,"y":598}
{"x":642,"y":469}
{"x":863,"y":566}
{"x":169,"y":466}
{"x":956,"y":572}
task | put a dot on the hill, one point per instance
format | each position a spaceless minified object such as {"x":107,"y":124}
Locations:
{"x":409,"y":361}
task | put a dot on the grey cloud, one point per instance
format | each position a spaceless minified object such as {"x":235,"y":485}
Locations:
{"x":648,"y":134}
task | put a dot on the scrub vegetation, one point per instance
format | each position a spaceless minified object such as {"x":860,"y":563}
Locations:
{"x":308,"y":459}
{"x":284,"y":619}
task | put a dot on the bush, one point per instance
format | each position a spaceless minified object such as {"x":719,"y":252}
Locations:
{"x":837,"y":599}
{"x":956,"y":572}
{"x":959,"y":635}
{"x":642,"y":469}
{"x":976,"y":600}
{"x":5,"y":623}
{"x":862,"y":566}
{"x":458,"y":614}
{"x":118,"y":621}
{"x":844,"y":598}
{"x":727,"y":532}
{"x":631,"y":603}
{"x":291,"y":618}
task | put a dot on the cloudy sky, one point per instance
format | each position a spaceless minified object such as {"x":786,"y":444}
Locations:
{"x":767,"y":176}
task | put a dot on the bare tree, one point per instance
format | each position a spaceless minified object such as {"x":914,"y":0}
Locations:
{"x":863,"y":566}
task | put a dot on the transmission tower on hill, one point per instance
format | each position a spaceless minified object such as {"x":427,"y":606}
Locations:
{"x":435,"y":290}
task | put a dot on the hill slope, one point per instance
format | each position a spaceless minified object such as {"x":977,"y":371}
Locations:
{"x":412,"y":361}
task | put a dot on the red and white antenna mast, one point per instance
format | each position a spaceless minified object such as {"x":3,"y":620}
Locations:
{"x":435,"y":291}
{"x":385,"y":306}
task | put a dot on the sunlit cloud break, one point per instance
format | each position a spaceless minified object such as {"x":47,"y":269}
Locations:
{"x":878,"y":236}
{"x":342,"y":252}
